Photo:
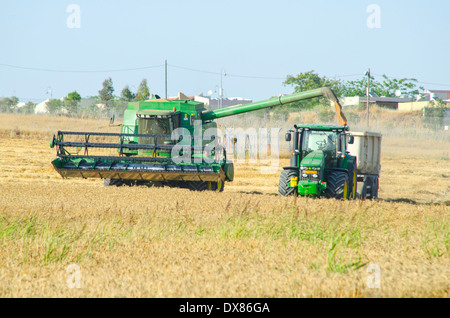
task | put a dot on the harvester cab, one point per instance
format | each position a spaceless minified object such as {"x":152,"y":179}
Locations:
{"x":320,"y":164}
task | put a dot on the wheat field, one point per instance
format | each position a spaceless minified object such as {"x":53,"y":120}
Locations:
{"x":244,"y":242}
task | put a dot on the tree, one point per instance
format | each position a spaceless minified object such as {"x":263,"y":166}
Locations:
{"x":388,"y":87}
{"x":71,"y":102}
{"x":143,"y":92}
{"x":406,"y":86}
{"x":54,"y":106}
{"x":433,"y":114}
{"x":126,"y":94}
{"x":308,"y":81}
{"x":106,"y":93}
{"x":9,"y":104}
{"x":28,"y":108}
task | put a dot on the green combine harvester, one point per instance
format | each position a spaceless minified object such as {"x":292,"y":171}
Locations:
{"x":174,"y":143}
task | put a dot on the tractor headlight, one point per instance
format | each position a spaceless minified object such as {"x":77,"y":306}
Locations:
{"x":311,"y":172}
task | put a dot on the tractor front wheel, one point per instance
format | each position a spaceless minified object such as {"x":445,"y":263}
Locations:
{"x":284,"y":188}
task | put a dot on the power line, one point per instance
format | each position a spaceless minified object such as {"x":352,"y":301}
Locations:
{"x":79,"y":71}
{"x":419,"y":82}
{"x":225,"y":74}
{"x":256,"y":77}
{"x":184,"y":68}
{"x":244,"y":76}
{"x":193,"y":70}
{"x":349,"y":75}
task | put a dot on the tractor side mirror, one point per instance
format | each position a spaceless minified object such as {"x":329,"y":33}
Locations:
{"x":351,"y":140}
{"x":287,"y":137}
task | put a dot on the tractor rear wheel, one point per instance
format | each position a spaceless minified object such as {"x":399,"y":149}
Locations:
{"x":283,"y":185}
{"x":352,"y":180}
{"x":338,"y":185}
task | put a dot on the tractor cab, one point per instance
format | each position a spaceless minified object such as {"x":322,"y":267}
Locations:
{"x":328,"y":142}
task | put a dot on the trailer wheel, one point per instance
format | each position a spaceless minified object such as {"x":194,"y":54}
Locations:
{"x":338,"y":185}
{"x":370,"y":188}
{"x":284,"y":189}
{"x":375,"y":188}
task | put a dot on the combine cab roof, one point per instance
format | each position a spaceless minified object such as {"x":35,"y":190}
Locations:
{"x":157,"y":105}
{"x":324,"y":127}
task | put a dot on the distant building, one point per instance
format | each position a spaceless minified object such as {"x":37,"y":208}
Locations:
{"x":213,"y":103}
{"x":435,"y":94}
{"x":41,"y":108}
{"x":84,"y":103}
{"x":386,"y":102}
{"x":399,"y":103}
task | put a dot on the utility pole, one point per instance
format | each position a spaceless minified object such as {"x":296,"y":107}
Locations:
{"x":367,"y":93}
{"x":222,"y":72}
{"x":49,"y":91}
{"x":220,"y":91}
{"x":165,"y":76}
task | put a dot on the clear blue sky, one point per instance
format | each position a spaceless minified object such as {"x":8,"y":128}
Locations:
{"x":253,"y":39}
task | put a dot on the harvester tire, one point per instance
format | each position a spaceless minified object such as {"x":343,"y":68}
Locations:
{"x":352,"y":180}
{"x":338,"y":185}
{"x":112,"y":182}
{"x":216,"y":186}
{"x":197,"y":185}
{"x":284,"y":189}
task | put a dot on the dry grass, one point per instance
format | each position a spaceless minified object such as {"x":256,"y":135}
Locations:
{"x":244,"y":242}
{"x":41,"y":126}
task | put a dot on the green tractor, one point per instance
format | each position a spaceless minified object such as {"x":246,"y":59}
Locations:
{"x":320,"y":163}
